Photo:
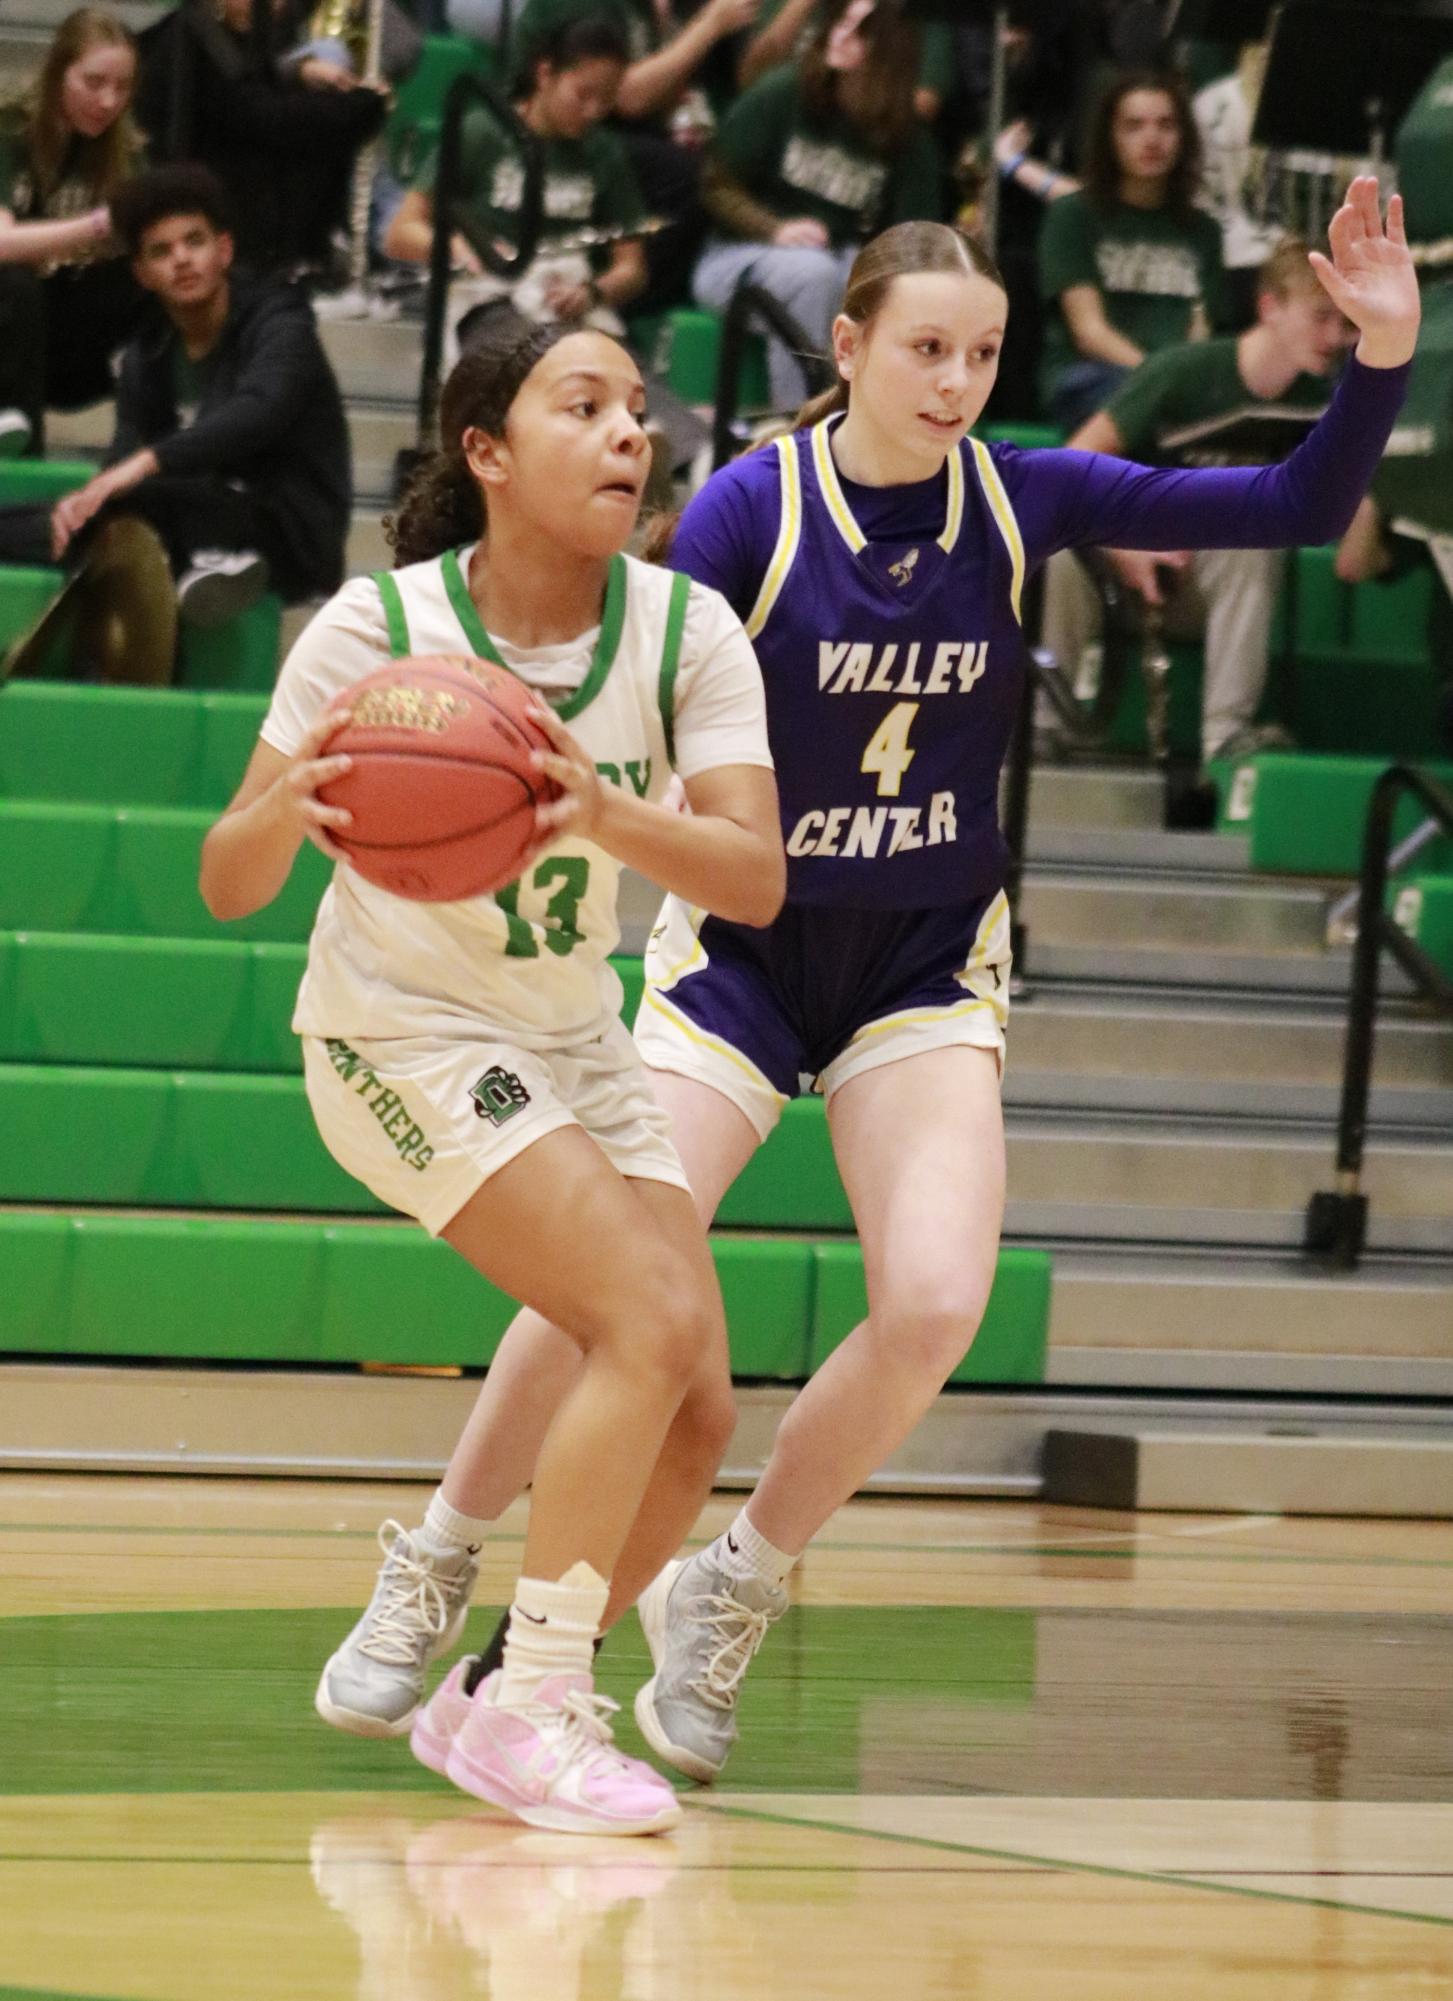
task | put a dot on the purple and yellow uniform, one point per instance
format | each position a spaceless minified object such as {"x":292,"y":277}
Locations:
{"x":887,"y":624}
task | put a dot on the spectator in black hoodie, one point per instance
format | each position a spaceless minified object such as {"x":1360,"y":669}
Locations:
{"x":231,"y":442}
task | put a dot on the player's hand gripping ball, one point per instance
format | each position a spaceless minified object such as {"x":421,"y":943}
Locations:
{"x":443,"y":787}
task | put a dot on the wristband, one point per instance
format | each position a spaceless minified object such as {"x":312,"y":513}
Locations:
{"x":1010,"y":168}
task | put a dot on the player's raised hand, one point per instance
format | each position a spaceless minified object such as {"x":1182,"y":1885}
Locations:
{"x":1370,"y":275}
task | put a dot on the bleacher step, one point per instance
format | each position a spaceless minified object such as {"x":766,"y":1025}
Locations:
{"x":1287,"y":1470}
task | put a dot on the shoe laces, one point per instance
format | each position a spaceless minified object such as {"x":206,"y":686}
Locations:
{"x":585,"y":1716}
{"x":412,"y":1609}
{"x":738,"y":1632}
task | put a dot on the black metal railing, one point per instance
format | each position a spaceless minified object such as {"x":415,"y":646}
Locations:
{"x":449,"y":217}
{"x":748,"y":307}
{"x":1336,"y":1225}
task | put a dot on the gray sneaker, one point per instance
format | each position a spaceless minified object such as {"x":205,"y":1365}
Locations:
{"x":703,"y":1626}
{"x":374,"y":1684}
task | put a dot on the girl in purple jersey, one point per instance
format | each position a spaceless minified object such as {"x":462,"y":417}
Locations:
{"x":877,"y":557}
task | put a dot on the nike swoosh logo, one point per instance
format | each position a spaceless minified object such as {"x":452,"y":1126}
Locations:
{"x":731,"y":1545}
{"x":530,"y":1616}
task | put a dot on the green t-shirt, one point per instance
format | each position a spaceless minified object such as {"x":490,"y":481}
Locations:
{"x":588,"y":182}
{"x":938,"y":66}
{"x":799,"y":167}
{"x":189,"y":383}
{"x":1149,"y":268}
{"x":1188,"y":385}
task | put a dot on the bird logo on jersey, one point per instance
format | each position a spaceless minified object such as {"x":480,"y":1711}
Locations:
{"x":902,"y":573}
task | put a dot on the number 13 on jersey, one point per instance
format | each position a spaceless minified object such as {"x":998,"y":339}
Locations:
{"x":888,"y":754}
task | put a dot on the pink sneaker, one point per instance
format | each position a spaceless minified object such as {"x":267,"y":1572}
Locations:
{"x":441,"y":1719}
{"x":552,"y":1763}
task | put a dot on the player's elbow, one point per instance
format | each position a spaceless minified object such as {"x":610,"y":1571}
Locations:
{"x":764,"y":887}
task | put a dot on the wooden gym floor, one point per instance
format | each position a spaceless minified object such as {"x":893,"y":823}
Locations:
{"x":996,"y":1752}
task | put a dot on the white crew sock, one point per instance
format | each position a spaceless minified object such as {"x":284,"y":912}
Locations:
{"x":446,"y":1529}
{"x":552,"y":1631}
{"x":743,"y":1552}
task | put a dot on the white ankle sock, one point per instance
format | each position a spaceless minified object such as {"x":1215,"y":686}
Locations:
{"x":552,"y":1631}
{"x":445,"y":1528}
{"x":743,"y":1552}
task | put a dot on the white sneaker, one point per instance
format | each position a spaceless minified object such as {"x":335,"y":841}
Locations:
{"x":374,"y":1684}
{"x":15,"y":434}
{"x":221,"y":585}
{"x":703,"y":1627}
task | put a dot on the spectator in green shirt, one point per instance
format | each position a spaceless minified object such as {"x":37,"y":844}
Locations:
{"x":67,"y":300}
{"x":680,"y":58}
{"x":570,"y":87}
{"x":1129,"y":265}
{"x":1226,"y":595}
{"x":810,"y":162}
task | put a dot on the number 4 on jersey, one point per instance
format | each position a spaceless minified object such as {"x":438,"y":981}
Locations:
{"x":888,"y":753}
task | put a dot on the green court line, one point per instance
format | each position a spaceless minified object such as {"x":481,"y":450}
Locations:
{"x":1098,"y":1869}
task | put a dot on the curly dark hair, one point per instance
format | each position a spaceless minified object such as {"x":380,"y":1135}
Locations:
{"x":442,"y":506}
{"x":1102,"y":165}
{"x":159,"y":194}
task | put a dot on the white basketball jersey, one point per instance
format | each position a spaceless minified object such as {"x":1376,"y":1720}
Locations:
{"x":531,"y":959}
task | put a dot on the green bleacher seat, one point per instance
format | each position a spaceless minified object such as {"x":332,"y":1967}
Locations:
{"x":66,"y":740}
{"x":688,"y":353}
{"x":1010,"y":1346}
{"x":130,"y":869}
{"x":243,"y":654}
{"x":41,"y":482}
{"x":213,"y":1289}
{"x":24,"y":595}
{"x":1305,"y":815}
{"x":417,"y":117}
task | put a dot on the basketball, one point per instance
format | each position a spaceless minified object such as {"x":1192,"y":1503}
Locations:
{"x":442,"y":790}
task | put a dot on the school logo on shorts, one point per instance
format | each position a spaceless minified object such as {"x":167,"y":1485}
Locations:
{"x":902,"y":573}
{"x":498,"y":1095}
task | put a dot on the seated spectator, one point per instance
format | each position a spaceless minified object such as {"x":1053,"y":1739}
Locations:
{"x":1129,"y":265}
{"x":67,"y":300}
{"x":1234,"y":174}
{"x":785,"y":27}
{"x":230,"y":441}
{"x":678,"y":59}
{"x":568,"y":86}
{"x":282,"y":140}
{"x":809,"y":162}
{"x":1227,"y":595}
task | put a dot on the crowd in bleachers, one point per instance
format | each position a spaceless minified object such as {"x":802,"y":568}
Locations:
{"x":1141,"y":233}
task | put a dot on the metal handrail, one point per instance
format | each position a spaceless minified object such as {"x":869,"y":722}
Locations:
{"x":1336,"y":1224}
{"x":747,"y":304}
{"x":466,"y":90}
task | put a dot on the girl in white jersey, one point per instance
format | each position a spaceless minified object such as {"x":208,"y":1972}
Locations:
{"x":467,"y":1062}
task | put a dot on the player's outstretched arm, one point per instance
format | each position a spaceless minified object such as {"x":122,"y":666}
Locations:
{"x":248,"y":855}
{"x":725,"y":855}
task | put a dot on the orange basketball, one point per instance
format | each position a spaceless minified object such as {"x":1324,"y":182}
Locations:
{"x":442,"y":790}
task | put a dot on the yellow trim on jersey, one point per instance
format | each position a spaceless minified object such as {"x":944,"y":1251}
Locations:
{"x":911,"y":1016}
{"x":712,"y":1042}
{"x":955,"y":520}
{"x":1003,"y":514}
{"x":832,"y":493}
{"x":789,"y":534}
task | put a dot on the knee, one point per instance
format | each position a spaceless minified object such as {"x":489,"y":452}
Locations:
{"x":670,"y":1323}
{"x":928,"y":1332}
{"x":708,"y":1416}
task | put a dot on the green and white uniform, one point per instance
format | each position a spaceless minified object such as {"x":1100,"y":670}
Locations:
{"x":442,"y":1039}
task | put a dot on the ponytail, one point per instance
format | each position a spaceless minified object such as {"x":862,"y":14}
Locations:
{"x":440,"y":509}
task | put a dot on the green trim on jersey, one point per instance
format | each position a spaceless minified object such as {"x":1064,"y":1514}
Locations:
{"x":671,"y":660}
{"x":394,"y":613}
{"x":612,"y":622}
